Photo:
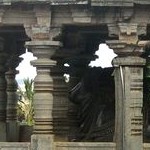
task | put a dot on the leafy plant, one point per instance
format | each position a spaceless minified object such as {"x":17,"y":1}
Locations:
{"x":25,"y":103}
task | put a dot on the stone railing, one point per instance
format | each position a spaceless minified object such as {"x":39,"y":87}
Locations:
{"x":84,"y":145}
{"x":14,"y":146}
{"x":66,"y":145}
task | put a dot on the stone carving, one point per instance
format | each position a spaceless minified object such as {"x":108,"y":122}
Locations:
{"x":95,"y":106}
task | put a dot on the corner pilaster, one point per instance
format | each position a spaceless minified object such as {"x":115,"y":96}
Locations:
{"x":128,"y":77}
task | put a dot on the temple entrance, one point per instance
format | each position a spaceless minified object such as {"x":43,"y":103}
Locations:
{"x":91,"y":107}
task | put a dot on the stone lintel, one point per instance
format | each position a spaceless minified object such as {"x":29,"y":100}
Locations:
{"x":81,"y":15}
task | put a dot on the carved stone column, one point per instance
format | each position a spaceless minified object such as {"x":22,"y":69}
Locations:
{"x":44,"y":88}
{"x":12,"y":98}
{"x":3,"y":95}
{"x":129,"y":95}
{"x":60,"y":109}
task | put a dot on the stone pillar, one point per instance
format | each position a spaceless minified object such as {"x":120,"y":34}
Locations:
{"x":128,"y":76}
{"x":60,"y":109}
{"x":3,"y":95}
{"x":12,"y":98}
{"x":44,"y":96}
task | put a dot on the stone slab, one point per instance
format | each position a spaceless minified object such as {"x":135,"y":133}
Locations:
{"x":42,"y":142}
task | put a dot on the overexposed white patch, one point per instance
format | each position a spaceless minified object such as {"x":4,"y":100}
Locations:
{"x":25,"y":68}
{"x":105,"y":57}
{"x":66,"y":65}
{"x":67,"y":77}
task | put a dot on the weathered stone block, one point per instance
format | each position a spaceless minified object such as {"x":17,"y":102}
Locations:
{"x":42,"y":142}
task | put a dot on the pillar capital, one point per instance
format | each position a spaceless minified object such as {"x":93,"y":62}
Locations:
{"x":38,"y":32}
{"x":127,"y":32}
{"x":44,"y":48}
{"x":41,"y":29}
{"x":123,"y":48}
{"x":42,"y":32}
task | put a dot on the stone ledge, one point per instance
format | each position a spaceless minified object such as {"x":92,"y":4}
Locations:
{"x":127,"y":3}
{"x":14,"y":146}
{"x":85,"y":145}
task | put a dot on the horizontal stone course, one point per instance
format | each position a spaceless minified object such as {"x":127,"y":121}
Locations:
{"x":92,"y":2}
{"x":85,"y":146}
{"x":14,"y":146}
{"x":67,"y":146}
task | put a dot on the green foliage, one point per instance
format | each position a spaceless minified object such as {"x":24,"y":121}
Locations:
{"x":25,"y":103}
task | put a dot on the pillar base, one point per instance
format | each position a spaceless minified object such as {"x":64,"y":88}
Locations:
{"x":2,"y":132}
{"x":42,"y":142}
{"x":12,"y":131}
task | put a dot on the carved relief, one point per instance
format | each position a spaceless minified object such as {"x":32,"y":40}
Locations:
{"x":136,"y":87}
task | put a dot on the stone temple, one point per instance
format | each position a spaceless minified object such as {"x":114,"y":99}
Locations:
{"x":70,"y":31}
